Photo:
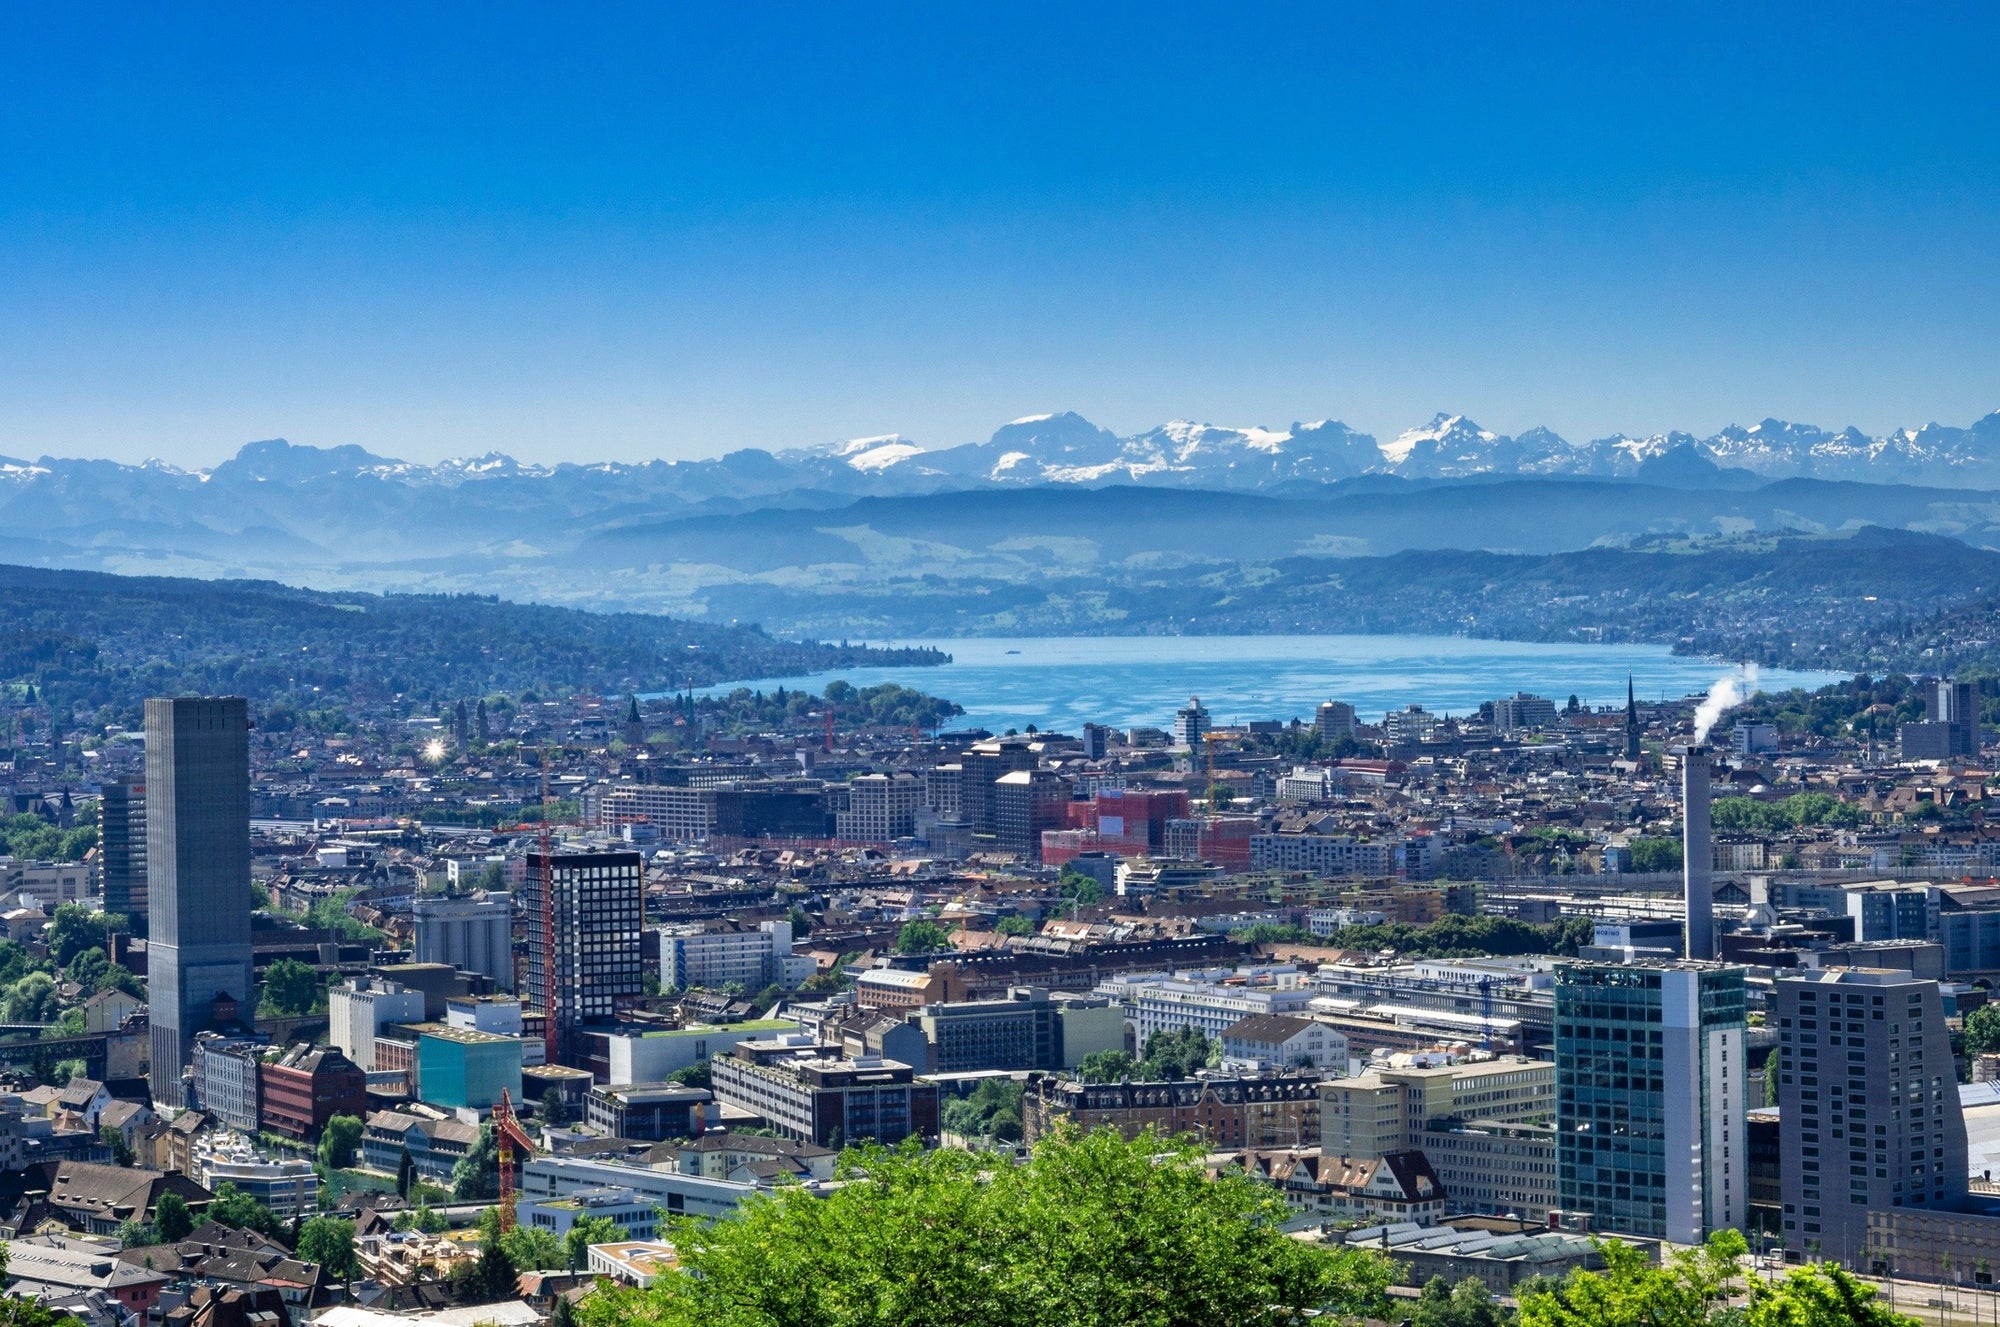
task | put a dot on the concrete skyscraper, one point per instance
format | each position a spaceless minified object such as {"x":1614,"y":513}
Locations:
{"x":1868,"y":1096}
{"x":197,"y":874}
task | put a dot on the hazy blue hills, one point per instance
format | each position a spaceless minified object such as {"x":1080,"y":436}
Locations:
{"x":85,"y":638}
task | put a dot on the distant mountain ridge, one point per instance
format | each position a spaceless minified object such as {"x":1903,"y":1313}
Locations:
{"x":1065,"y":448}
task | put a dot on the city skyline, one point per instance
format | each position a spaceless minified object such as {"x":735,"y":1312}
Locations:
{"x":632,"y":234}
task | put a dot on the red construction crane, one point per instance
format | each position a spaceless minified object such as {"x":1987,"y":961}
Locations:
{"x":508,"y":1135}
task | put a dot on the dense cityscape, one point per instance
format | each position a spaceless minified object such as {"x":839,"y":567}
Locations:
{"x":1477,"y":995}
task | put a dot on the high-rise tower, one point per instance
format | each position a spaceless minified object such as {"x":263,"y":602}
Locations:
{"x":198,"y":964}
{"x":596,"y":919}
{"x":121,"y":851}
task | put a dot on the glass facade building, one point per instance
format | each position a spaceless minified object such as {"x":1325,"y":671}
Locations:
{"x":1650,"y":1134}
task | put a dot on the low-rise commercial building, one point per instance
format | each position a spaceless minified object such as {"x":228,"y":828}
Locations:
{"x":807,"y":1095}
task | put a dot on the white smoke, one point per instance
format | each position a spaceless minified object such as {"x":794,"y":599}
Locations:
{"x":1729,"y":691}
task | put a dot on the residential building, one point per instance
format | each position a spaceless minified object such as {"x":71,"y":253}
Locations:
{"x":435,"y":1147}
{"x":227,"y":1080}
{"x":1868,"y":1096}
{"x":1285,"y":1041}
{"x":1329,"y":856}
{"x":472,"y":933}
{"x":288,"y":1186}
{"x":121,"y":849}
{"x":1225,"y":1112}
{"x":599,"y":924}
{"x":54,"y":1266}
{"x":305,"y":1086}
{"x":361,"y":1008}
{"x":728,"y":953}
{"x":198,"y":964}
{"x":97,"y":1199}
{"x":1650,"y":1131}
{"x":1210,"y":1001}
{"x":811,"y":1097}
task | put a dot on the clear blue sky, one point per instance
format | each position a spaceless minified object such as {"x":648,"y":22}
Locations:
{"x":594,"y":231}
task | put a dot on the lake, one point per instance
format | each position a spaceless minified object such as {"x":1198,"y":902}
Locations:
{"x":1058,"y":683}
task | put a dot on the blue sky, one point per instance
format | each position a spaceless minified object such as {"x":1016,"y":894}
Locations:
{"x":670,"y":230}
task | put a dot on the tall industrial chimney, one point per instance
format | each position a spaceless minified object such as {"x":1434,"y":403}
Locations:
{"x":1697,"y":853}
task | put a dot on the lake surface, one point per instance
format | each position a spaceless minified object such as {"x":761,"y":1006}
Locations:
{"x":1058,"y":683}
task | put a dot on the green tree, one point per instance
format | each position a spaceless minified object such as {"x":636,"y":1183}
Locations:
{"x":74,"y":929}
{"x":172,"y":1219}
{"x":1683,"y":1291}
{"x":587,"y":1231}
{"x":329,"y":1242}
{"x":17,"y":1312}
{"x":1656,"y":854}
{"x":489,"y":1279}
{"x":239,"y":1211}
{"x":32,"y":999}
{"x":1772,"y":1063}
{"x":802,"y":925}
{"x":1982,"y":1030}
{"x":422,"y":1217}
{"x":1177,"y":1054}
{"x":137,"y":1234}
{"x":1220,"y":796}
{"x":290,"y":987}
{"x":339,"y":1140}
{"x":1467,"y":1304}
{"x":1073,"y":886}
{"x":531,"y":1248}
{"x":1106,"y":1066}
{"x":476,"y":1177}
{"x":922,"y":937}
{"x":121,"y":1151}
{"x":406,"y":1170}
{"x":117,"y":978}
{"x":1826,"y":1295}
{"x":1092,"y":1231}
{"x":992,"y":1110}
{"x":1014,"y":926}
{"x":555,"y":1107}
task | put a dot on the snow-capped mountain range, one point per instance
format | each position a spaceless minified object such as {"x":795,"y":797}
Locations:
{"x":1066,"y":448}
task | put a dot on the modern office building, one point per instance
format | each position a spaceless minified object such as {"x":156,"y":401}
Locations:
{"x":650,"y":1112}
{"x":359,"y":1010}
{"x":1025,"y":803}
{"x":880,"y":808}
{"x":460,"y":1068}
{"x":198,"y":965}
{"x":1334,"y":720}
{"x":1211,"y":1001}
{"x":599,"y":923}
{"x":1868,"y":1096}
{"x":1029,"y":1029}
{"x":1650,"y":1131}
{"x":121,"y":850}
{"x":305,"y":1086}
{"x":1521,"y":713}
{"x":1191,"y":723}
{"x":812,"y":1097}
{"x":474,"y":934}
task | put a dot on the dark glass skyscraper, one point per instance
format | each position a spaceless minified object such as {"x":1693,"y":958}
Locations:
{"x":121,"y":851}
{"x":197,"y":874}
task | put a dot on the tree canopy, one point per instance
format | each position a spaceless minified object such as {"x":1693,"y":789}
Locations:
{"x":1092,"y":1231}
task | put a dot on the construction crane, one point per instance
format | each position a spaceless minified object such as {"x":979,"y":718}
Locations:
{"x":507,"y":1136}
